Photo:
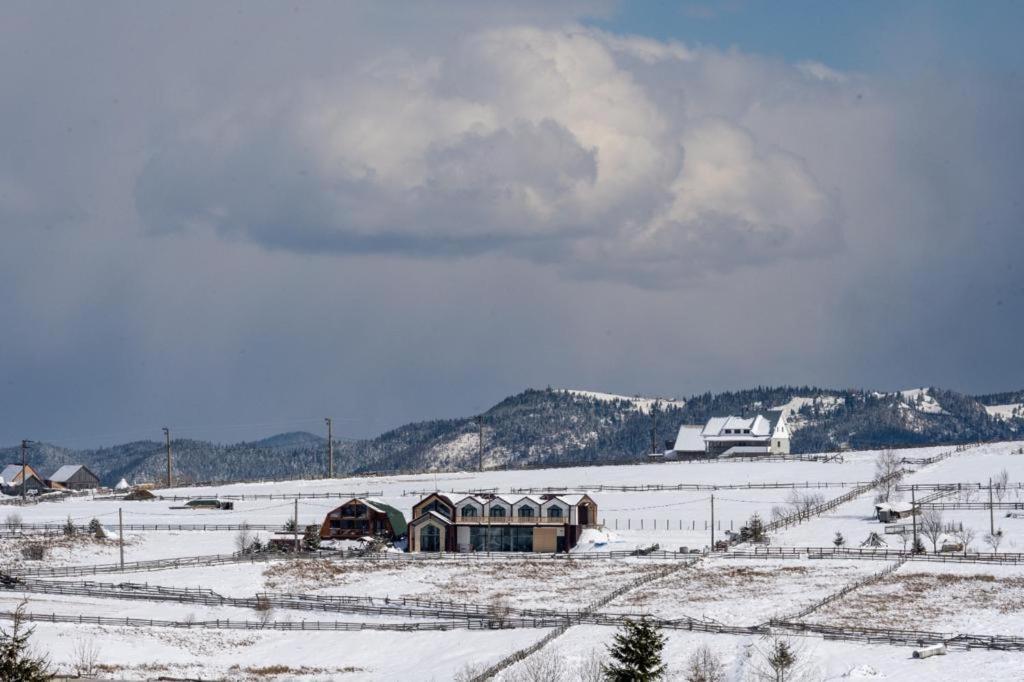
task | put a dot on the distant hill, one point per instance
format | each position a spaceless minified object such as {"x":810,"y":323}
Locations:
{"x":567,"y":427}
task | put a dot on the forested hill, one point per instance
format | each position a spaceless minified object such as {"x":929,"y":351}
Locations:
{"x":562,"y":427}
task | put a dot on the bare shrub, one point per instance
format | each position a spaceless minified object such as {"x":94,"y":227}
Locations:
{"x":965,"y":534}
{"x":34,"y":552}
{"x":498,"y":611}
{"x":469,"y":672}
{"x":86,"y":657}
{"x":932,"y":527}
{"x":243,"y":539}
{"x":887,"y":474}
{"x":993,"y":540}
{"x":546,"y":665}
{"x":704,"y":666}
{"x":1001,"y":484}
{"x":590,"y":668}
{"x":13,"y":521}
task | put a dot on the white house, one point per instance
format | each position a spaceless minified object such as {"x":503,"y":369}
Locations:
{"x":735,"y":437}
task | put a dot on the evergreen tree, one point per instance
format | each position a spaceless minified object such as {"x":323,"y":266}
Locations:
{"x":636,"y":653}
{"x":838,"y":540}
{"x":96,"y":529}
{"x":17,"y":664}
{"x":781,"y":660}
{"x":918,"y":546}
{"x":69,"y":528}
{"x":755,"y":526}
{"x":311,"y":538}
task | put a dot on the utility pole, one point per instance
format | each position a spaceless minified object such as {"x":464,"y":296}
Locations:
{"x":167,"y":437}
{"x":913,"y":516}
{"x":991,"y":514}
{"x":330,"y":449}
{"x":24,"y":466}
{"x":120,"y":531}
{"x":295,"y":523}
{"x":480,"y":442}
{"x":712,"y":522}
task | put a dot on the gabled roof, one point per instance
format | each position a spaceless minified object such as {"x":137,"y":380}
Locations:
{"x":65,"y":473}
{"x":689,"y":439}
{"x":12,"y":473}
{"x":758,"y":426}
{"x":431,"y":514}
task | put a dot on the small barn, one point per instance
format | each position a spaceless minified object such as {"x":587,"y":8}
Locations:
{"x":360,"y":518}
{"x":73,"y":477}
{"x":887,"y":512}
{"x":11,"y":479}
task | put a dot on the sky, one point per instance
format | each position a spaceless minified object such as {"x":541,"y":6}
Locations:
{"x":237,"y":218}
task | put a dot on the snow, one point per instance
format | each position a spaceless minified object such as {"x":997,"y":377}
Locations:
{"x":974,"y":598}
{"x":639,"y":404}
{"x":1006,"y":412}
{"x":921,"y":400}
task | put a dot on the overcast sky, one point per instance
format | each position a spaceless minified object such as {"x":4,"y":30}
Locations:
{"x":238,"y":218}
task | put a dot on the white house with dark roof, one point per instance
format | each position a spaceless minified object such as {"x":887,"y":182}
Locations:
{"x":735,"y":437}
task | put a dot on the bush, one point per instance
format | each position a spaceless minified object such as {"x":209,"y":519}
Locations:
{"x":70,"y":530}
{"x":96,"y":529}
{"x":34,"y":552}
{"x":311,"y":538}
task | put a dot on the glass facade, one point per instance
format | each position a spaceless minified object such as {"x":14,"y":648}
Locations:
{"x":501,"y":538}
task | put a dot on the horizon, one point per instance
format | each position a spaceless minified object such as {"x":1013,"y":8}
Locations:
{"x":263,"y":431}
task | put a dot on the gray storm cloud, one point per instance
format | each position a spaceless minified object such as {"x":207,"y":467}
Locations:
{"x":538,"y":141}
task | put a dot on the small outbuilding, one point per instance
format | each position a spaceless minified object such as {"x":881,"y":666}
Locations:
{"x":887,"y":512}
{"x":359,"y":518}
{"x":73,"y":477}
{"x":12,"y":477}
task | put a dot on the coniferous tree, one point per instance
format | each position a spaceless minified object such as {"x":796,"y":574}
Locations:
{"x":311,"y":538}
{"x":756,"y":528}
{"x":838,"y":540}
{"x":17,"y":664}
{"x":636,"y":654}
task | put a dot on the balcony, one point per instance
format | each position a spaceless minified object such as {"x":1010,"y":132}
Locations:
{"x":512,"y":520}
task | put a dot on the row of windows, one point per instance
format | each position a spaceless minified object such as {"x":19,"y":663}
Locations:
{"x":524,"y":512}
{"x":501,"y":538}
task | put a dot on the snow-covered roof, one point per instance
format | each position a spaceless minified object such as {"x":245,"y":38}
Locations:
{"x":64,"y":474}
{"x":121,"y":485}
{"x":900,"y":507}
{"x":759,"y":426}
{"x":440,"y":517}
{"x":689,"y":439}
{"x":12,"y":473}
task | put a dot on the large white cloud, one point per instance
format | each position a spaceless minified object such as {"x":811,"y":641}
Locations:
{"x":553,"y":144}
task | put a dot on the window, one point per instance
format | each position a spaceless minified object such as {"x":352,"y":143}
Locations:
{"x":430,"y":539}
{"x":439,"y":507}
{"x":526,"y":511}
{"x":501,"y":538}
{"x":555,"y":513}
{"x":468,"y":510}
{"x":497,"y":511}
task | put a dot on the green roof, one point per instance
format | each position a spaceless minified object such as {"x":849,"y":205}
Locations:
{"x":397,"y":518}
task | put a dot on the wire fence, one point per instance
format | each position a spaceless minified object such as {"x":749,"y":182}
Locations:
{"x":272,"y":496}
{"x":84,"y":528}
{"x":870,"y":553}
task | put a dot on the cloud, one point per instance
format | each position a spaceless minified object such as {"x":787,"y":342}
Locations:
{"x":554,"y":145}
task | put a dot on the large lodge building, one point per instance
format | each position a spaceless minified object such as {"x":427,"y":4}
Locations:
{"x":500,"y":523}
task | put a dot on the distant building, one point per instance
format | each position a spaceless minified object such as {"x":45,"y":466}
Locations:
{"x":887,"y":512}
{"x":73,"y":477}
{"x":500,"y":523}
{"x":11,"y":479}
{"x":359,"y":518}
{"x":734,"y":437}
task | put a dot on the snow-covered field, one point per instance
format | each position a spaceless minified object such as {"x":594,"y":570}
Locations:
{"x":968,"y":598}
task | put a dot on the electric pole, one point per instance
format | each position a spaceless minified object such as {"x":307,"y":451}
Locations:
{"x":913,"y":516}
{"x":991,"y":514}
{"x":480,"y":443}
{"x":295,"y":523}
{"x":712,"y":522}
{"x":120,"y":530}
{"x":330,"y":449}
{"x":24,"y":466}
{"x":167,"y":437}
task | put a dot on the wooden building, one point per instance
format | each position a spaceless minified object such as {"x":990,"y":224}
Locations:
{"x":359,"y":518}
{"x":11,"y":479}
{"x":500,"y":523}
{"x":73,"y":477}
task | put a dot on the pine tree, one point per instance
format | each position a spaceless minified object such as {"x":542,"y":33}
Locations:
{"x":17,"y":664}
{"x":636,"y":651}
{"x":311,"y":538}
{"x":69,"y":528}
{"x":780,"y":659}
{"x":755,"y":526}
{"x":918,"y":546}
{"x":96,"y":529}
